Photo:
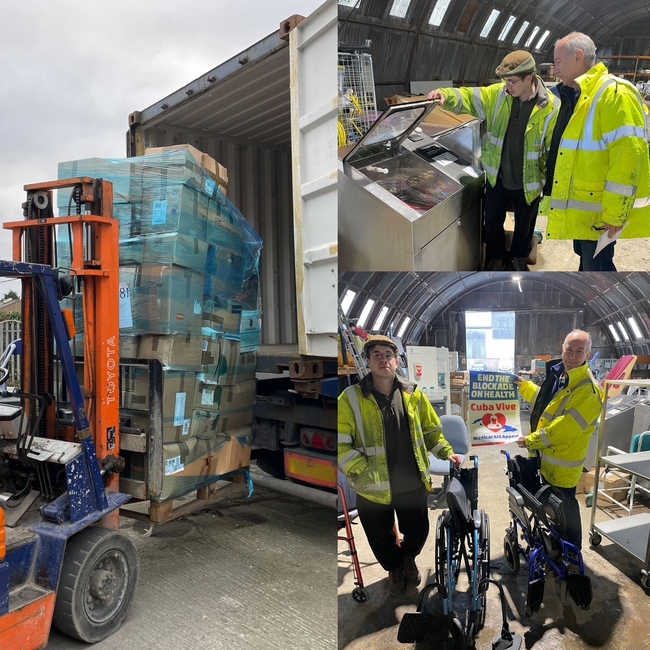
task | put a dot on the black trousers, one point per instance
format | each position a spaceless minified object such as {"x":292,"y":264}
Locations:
{"x":378,"y":522}
{"x":497,"y":201}
{"x":571,"y":509}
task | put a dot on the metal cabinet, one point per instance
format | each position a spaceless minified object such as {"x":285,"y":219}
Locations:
{"x":409,"y":201}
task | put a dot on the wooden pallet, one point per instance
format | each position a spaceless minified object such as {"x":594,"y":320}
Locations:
{"x":161,"y":513}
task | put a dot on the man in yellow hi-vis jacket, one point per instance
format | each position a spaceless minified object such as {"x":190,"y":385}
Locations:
{"x":386,"y":428}
{"x":520,"y":115}
{"x":599,"y":169}
{"x":564,"y":416}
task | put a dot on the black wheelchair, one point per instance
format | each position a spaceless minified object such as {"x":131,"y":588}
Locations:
{"x":462,"y":540}
{"x":536,"y":534}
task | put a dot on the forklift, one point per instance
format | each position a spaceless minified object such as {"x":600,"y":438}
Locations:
{"x":62,"y":559}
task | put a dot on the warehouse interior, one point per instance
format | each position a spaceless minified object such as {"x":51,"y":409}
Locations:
{"x":465,"y":40}
{"x":406,"y":208}
{"x":435,"y":311}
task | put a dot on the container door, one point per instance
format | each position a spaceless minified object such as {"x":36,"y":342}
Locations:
{"x":313,"y":51}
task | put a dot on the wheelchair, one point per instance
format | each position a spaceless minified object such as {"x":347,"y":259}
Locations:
{"x":462,"y":540}
{"x":536,"y":534}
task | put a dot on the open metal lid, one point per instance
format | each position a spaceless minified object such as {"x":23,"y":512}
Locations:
{"x":394,"y":125}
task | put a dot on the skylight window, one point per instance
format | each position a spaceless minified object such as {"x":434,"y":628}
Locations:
{"x":542,"y":40}
{"x":349,"y":3}
{"x":623,"y":331}
{"x":347,"y":300}
{"x":520,"y":33}
{"x":531,"y":38}
{"x":399,"y":8}
{"x":612,"y":329}
{"x":487,"y":28}
{"x":635,"y":327}
{"x":365,"y":312}
{"x":380,"y":319}
{"x":438,"y":12}
{"x":403,"y":326}
{"x":506,"y":28}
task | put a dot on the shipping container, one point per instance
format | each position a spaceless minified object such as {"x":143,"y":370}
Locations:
{"x":269,"y":116}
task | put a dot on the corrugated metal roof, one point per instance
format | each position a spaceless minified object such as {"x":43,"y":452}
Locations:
{"x":410,"y":49}
{"x":246,"y":98}
{"x":426,"y":297}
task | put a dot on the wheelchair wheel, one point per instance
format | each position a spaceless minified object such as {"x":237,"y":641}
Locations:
{"x":441,"y":552}
{"x":511,"y":551}
{"x":360,"y":595}
{"x":484,"y":570}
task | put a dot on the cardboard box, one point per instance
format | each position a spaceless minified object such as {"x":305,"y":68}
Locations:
{"x":226,"y":407}
{"x":209,"y":424}
{"x":212,"y":395}
{"x":235,"y":367}
{"x":187,"y":467}
{"x":175,"y":248}
{"x":210,"y":349}
{"x":129,"y":346}
{"x":171,"y":207}
{"x":178,"y":351}
{"x":610,"y":481}
{"x":222,"y":315}
{"x":162,"y":300}
{"x":582,"y":483}
{"x":218,"y":172}
{"x":121,"y":172}
{"x":177,"y":399}
{"x":236,"y":453}
{"x":131,"y":250}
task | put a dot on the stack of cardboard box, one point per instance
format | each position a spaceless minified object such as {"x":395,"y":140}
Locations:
{"x":189,"y":297}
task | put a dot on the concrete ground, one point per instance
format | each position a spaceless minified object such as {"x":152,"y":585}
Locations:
{"x":617,"y":619}
{"x":240,"y":574}
{"x":558,"y":255}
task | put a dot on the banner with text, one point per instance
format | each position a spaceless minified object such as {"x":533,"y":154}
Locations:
{"x":493,"y":408}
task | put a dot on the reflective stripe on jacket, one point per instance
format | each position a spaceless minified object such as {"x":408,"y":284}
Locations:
{"x":493,"y":105}
{"x":565,"y":427}
{"x":602,"y":174}
{"x":361,"y":439}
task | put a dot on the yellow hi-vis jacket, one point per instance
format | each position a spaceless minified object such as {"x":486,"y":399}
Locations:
{"x":361,"y":438}
{"x":565,"y":427}
{"x":493,"y":105}
{"x":602,"y":174}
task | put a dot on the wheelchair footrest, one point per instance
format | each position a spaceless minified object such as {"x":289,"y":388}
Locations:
{"x":501,"y":643}
{"x":579,"y":588}
{"x":535,"y":594}
{"x":413,"y":627}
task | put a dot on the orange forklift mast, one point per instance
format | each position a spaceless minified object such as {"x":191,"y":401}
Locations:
{"x":94,"y":267}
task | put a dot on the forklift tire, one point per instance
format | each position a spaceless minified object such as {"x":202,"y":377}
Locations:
{"x":98,"y":580}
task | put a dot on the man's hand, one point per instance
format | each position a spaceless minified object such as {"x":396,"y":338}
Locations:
{"x":438,"y":96}
{"x":612,"y":230}
{"x":456,"y":459}
{"x":521,"y":442}
{"x":518,"y":381}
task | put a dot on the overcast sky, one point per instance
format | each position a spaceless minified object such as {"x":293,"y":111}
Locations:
{"x":71,"y":72}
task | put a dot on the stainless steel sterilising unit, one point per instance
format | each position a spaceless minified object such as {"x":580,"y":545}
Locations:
{"x":410,"y":195}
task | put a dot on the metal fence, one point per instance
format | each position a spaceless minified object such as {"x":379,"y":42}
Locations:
{"x":10,"y":330}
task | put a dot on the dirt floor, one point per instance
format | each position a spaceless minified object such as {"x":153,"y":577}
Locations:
{"x":558,"y":255}
{"x":618,"y":617}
